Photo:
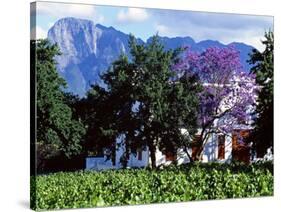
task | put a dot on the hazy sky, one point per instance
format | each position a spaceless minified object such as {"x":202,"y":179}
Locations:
{"x":143,"y":23}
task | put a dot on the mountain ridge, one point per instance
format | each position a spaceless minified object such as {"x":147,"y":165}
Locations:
{"x":88,"y":49}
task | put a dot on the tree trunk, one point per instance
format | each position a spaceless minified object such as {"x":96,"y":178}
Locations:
{"x":113,"y":153}
{"x":152,"y":151}
{"x":188,"y":155}
{"x":203,"y":141}
{"x":126,"y":155}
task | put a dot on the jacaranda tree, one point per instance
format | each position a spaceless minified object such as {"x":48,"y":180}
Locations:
{"x":228,"y":92}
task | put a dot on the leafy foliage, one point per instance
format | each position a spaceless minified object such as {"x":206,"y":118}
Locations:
{"x":57,"y":130}
{"x":141,"y":186}
{"x":228,"y":95}
{"x":263,"y":69}
{"x":145,"y":104}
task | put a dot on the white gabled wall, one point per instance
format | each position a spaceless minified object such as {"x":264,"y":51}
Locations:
{"x":210,"y":153}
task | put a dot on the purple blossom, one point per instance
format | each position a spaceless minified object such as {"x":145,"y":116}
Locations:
{"x":229,"y":93}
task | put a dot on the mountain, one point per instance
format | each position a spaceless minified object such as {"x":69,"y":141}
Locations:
{"x":88,"y":49}
{"x":244,"y":50}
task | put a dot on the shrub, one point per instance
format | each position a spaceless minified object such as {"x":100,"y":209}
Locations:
{"x":143,"y":186}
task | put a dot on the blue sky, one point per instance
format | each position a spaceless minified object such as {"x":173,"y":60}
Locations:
{"x":143,"y":23}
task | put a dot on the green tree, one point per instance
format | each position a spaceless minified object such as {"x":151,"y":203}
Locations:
{"x":168,"y":103}
{"x":145,"y":102}
{"x":56,"y":127}
{"x":263,"y":69}
{"x":109,"y":113}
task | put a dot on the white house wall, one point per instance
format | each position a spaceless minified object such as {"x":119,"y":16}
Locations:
{"x":133,"y":159}
{"x":119,"y":152}
{"x":182,"y":157}
{"x":228,"y":148}
{"x":210,"y":153}
{"x":134,"y":162}
{"x":160,"y":158}
{"x":98,"y":163}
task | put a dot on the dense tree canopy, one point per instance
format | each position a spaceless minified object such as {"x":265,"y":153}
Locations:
{"x":56,"y":128}
{"x":263,"y":69}
{"x":145,"y":104}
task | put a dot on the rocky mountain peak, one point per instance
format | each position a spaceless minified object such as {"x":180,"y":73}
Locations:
{"x":88,"y":49}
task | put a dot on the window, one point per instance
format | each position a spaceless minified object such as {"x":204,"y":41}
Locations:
{"x":139,"y":154}
{"x":170,"y":156}
{"x":195,"y":147}
{"x":240,"y":148}
{"x":195,"y":150}
{"x":221,"y":147}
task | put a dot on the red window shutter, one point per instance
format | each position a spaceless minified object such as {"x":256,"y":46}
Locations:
{"x":240,"y":150}
{"x":221,"y":147}
{"x":170,"y":156}
{"x":195,"y":146}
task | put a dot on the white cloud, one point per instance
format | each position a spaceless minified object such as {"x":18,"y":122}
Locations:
{"x":100,"y":19}
{"x":162,"y":29}
{"x":250,"y":36}
{"x":61,"y":10}
{"x":38,"y":33}
{"x":254,"y":41}
{"x":132,"y":15}
{"x":64,"y":9}
{"x":225,"y":28}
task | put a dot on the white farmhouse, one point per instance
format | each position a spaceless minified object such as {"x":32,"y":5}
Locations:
{"x":218,"y":147}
